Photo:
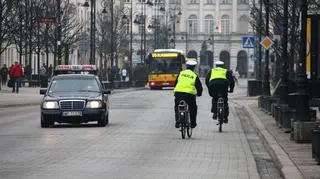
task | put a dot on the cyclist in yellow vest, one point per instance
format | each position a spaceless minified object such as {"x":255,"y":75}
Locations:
{"x":186,"y":88}
{"x":218,"y":81}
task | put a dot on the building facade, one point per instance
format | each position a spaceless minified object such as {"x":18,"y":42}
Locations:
{"x":208,"y":29}
{"x":198,"y":27}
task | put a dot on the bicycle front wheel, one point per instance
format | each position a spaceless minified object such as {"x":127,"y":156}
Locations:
{"x":189,"y":129}
{"x":183,"y":131}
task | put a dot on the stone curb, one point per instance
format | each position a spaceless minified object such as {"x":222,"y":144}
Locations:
{"x":34,"y":103}
{"x":285,"y":165}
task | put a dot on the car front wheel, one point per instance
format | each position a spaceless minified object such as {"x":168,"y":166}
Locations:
{"x":45,"y":123}
{"x":102,"y":122}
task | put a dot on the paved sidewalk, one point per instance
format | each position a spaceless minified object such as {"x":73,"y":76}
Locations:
{"x":31,"y":96}
{"x":294,"y":160}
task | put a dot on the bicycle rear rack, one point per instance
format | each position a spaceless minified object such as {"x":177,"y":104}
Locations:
{"x":183,"y":106}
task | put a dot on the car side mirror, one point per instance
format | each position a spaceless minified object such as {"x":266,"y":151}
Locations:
{"x":106,"y":91}
{"x":43,"y":91}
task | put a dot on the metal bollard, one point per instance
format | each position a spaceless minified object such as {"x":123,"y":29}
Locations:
{"x":316,"y":143}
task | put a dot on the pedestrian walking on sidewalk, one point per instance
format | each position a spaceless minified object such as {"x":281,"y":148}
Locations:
{"x":124,"y":74}
{"x":4,"y":74}
{"x":44,"y":76}
{"x":16,"y":74}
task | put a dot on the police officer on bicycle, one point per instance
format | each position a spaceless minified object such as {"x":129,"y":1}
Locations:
{"x":186,"y":88}
{"x":218,"y":80}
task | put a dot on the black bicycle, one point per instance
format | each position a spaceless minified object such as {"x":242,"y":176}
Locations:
{"x":184,"y":117}
{"x":220,"y":111}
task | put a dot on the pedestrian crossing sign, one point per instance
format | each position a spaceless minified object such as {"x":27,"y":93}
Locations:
{"x":248,"y":42}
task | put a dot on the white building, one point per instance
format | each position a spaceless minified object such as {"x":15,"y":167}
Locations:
{"x":226,"y":20}
{"x":200,"y":20}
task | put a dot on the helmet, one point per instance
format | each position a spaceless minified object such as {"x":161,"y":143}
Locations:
{"x":219,"y":63}
{"x":191,"y":63}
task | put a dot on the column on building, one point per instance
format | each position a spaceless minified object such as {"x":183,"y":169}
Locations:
{"x":184,"y":16}
{"x":217,"y":24}
{"x":201,"y":17}
{"x":234,"y":16}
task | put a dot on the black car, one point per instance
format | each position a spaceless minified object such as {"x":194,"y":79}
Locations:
{"x":75,"y":99}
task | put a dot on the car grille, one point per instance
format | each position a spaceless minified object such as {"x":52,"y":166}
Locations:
{"x":72,"y":104}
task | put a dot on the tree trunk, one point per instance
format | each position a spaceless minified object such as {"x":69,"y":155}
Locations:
{"x":293,"y":39}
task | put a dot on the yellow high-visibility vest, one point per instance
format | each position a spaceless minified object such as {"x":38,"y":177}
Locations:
{"x":186,"y":82}
{"x":218,"y":73}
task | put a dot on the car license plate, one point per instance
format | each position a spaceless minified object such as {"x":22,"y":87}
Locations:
{"x":72,"y":113}
{"x":165,"y":83}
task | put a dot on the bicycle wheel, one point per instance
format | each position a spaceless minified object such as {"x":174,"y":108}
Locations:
{"x":220,"y":125}
{"x":183,"y":132}
{"x":183,"y":128}
{"x":189,"y":129}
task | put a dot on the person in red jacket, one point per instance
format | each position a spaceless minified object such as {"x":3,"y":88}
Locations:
{"x":16,"y":74}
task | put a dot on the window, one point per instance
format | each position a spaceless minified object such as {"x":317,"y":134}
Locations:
{"x":127,"y":27}
{"x":242,"y":1}
{"x":127,"y":1}
{"x":74,"y":84}
{"x":141,"y":28}
{"x":193,"y":2}
{"x":140,"y":1}
{"x":209,"y":24}
{"x":225,"y":1}
{"x":139,"y":20}
{"x":243,"y":24}
{"x":175,"y":2}
{"x":156,"y":22}
{"x":193,"y":24}
{"x":225,"y":24}
{"x":209,"y":1}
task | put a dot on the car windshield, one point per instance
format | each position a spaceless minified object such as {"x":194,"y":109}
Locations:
{"x":165,"y":65}
{"x":74,"y":84}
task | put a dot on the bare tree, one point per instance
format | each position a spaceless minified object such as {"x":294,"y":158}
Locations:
{"x":71,"y":28}
{"x":7,"y":23}
{"x":120,"y":34}
{"x":276,"y":24}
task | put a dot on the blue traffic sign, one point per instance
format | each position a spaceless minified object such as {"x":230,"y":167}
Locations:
{"x":248,"y":42}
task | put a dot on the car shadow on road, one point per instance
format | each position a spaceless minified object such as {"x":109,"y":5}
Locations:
{"x":74,"y":125}
{"x":90,"y":125}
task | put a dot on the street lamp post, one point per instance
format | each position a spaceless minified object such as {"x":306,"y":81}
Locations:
{"x":302,"y":100}
{"x":131,"y":38}
{"x":259,"y":76}
{"x":59,"y":31}
{"x":92,"y":29}
{"x":130,"y":22}
{"x":212,"y":40}
{"x":190,"y":26}
{"x":141,"y":21}
{"x":174,"y":26}
{"x":266,"y":82}
{"x":284,"y":74}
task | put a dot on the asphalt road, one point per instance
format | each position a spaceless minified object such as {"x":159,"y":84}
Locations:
{"x":140,"y":142}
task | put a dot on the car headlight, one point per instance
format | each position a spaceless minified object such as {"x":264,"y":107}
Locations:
{"x":94,"y":104}
{"x":50,"y":105}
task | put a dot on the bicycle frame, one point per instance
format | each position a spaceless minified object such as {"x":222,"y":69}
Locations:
{"x":183,"y":108}
{"x":184,"y":117}
{"x":220,"y":108}
{"x":220,"y":111}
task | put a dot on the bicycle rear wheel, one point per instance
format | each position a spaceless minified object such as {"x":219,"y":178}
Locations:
{"x":183,"y":131}
{"x":183,"y":127}
{"x":189,"y":129}
{"x":220,"y":125}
